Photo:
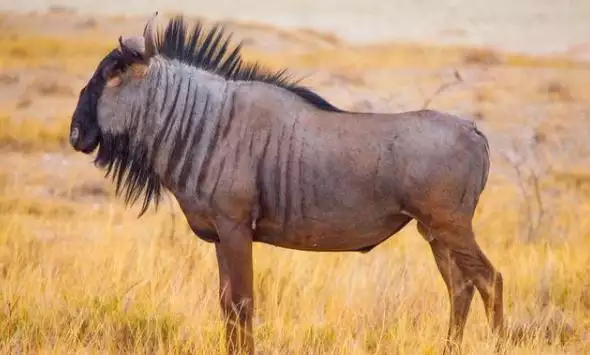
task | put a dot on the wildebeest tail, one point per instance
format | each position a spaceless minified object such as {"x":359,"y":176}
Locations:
{"x":485,"y":157}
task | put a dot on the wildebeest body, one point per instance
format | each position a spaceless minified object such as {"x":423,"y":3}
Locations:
{"x":332,"y":181}
{"x":251,"y":157}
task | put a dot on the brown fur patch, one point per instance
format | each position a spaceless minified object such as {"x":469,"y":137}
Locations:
{"x":139,"y":70}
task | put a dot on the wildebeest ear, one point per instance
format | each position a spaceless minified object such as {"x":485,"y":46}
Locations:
{"x":133,"y":49}
{"x":149,"y":37}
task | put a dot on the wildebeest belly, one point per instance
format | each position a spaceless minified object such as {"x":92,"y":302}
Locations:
{"x":314,"y":235}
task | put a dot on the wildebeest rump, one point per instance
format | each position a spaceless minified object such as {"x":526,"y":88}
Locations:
{"x":251,"y":156}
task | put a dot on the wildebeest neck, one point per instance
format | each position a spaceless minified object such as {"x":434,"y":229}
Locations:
{"x":192,"y":108}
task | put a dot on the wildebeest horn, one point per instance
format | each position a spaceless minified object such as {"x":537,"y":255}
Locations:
{"x":149,"y":35}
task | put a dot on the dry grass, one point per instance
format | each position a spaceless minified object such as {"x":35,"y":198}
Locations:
{"x":26,"y":51}
{"x":30,"y":134}
{"x":91,"y":277}
{"x":81,"y":274}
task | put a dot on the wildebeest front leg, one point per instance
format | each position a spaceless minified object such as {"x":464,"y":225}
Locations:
{"x":234,"y":258}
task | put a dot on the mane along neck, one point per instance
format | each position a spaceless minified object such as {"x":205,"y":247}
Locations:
{"x":210,"y":51}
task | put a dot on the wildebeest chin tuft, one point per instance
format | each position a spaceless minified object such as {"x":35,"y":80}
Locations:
{"x":131,"y":168}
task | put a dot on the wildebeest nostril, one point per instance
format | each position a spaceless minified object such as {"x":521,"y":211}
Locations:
{"x":74,"y":136}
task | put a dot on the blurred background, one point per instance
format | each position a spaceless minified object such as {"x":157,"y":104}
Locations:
{"x":80,"y":273}
{"x":535,"y":26}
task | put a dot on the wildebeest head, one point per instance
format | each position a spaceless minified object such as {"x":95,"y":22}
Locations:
{"x":104,"y":101}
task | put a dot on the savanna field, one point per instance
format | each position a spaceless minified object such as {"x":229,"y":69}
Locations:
{"x":80,"y":273}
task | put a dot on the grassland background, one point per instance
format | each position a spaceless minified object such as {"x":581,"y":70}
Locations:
{"x":79,"y":273}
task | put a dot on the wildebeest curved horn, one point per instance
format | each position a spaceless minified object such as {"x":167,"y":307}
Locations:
{"x":149,"y":35}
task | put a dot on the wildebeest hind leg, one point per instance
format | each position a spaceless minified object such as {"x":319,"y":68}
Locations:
{"x":488,"y":281}
{"x":476,"y":267}
{"x":460,"y":290}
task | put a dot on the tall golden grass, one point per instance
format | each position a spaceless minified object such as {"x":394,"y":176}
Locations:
{"x":79,"y":273}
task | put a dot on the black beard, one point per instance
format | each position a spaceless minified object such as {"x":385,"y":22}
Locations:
{"x":130,"y":168}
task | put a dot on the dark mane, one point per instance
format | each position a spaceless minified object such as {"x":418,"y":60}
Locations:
{"x":210,"y":51}
{"x":130,"y":167}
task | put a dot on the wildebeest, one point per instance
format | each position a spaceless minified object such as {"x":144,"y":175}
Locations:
{"x":252,"y":156}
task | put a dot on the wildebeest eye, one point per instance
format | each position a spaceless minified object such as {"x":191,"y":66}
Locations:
{"x":111,"y":70}
{"x":113,"y":73}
